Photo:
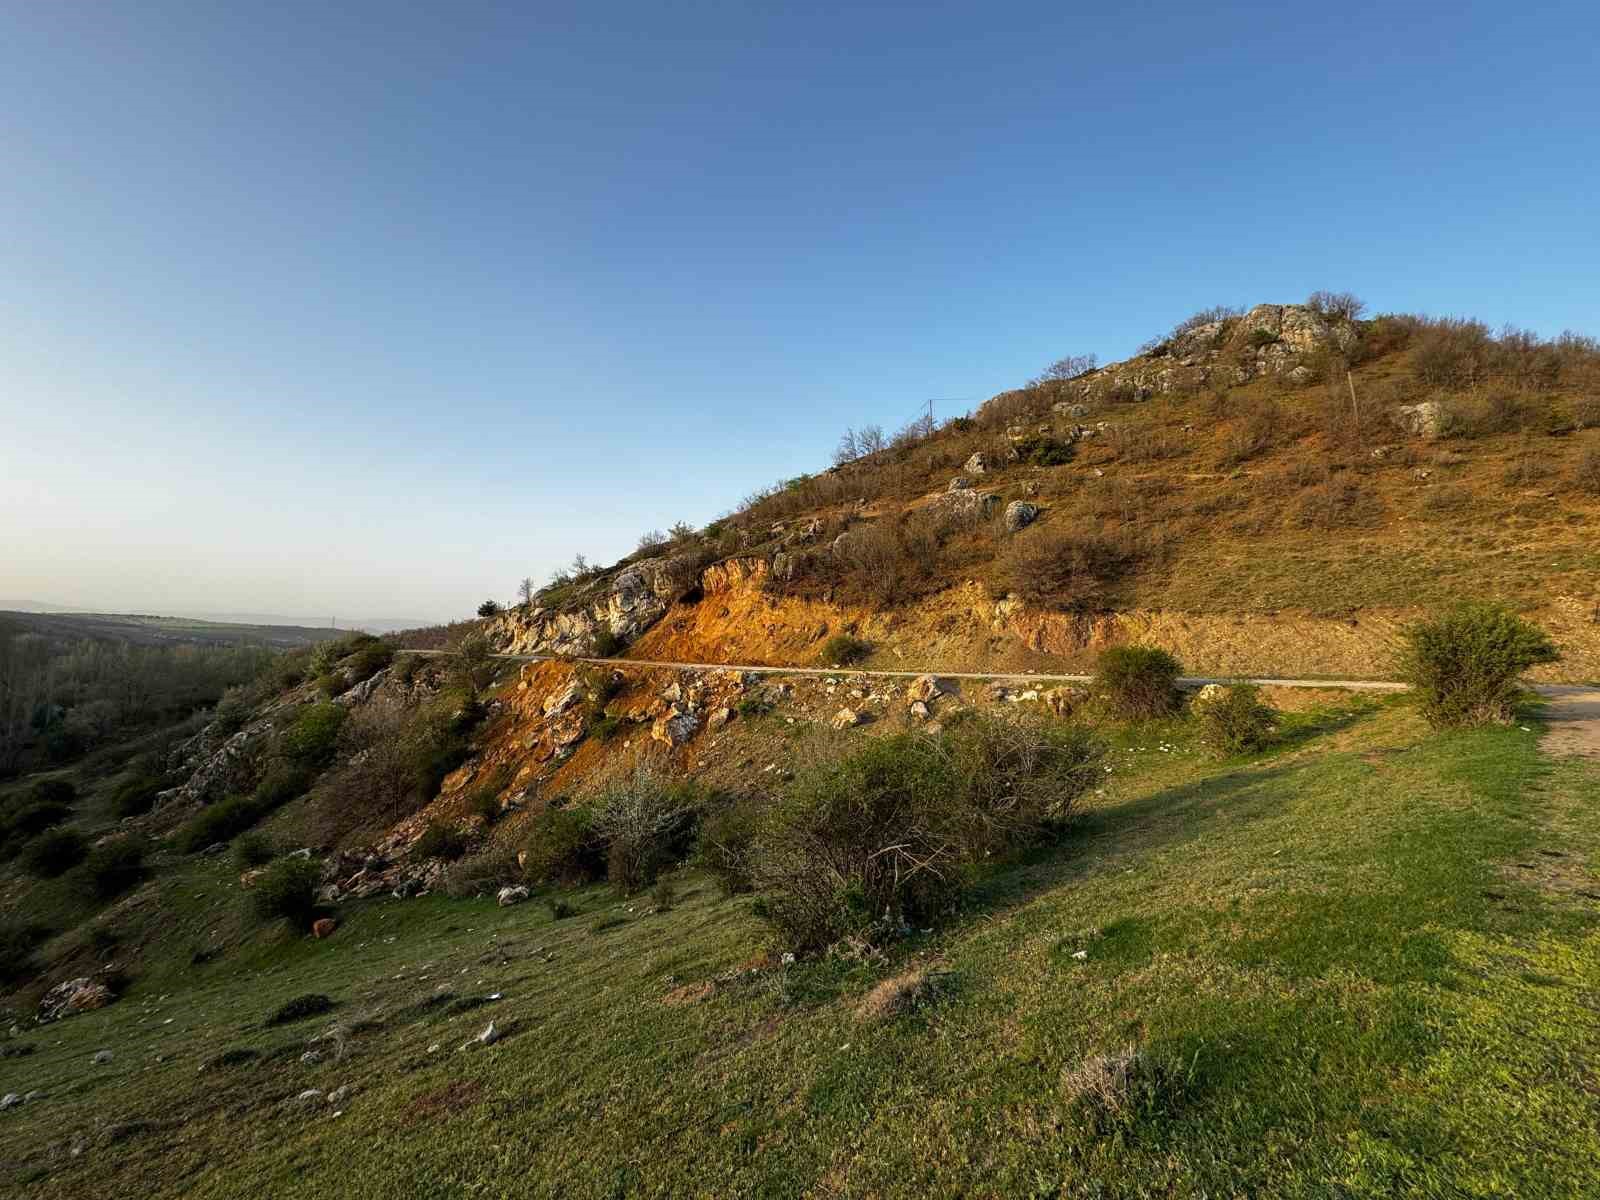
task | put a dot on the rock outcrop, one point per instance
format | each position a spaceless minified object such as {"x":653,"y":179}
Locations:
{"x":622,"y":605}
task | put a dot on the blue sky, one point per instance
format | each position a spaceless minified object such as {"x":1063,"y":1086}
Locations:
{"x":371,"y":309}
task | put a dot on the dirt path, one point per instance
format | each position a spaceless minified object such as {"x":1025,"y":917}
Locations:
{"x":1573,"y":716}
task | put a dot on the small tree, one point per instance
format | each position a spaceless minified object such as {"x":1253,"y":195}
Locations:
{"x":525,"y":591}
{"x":1337,"y":306}
{"x":288,"y":891}
{"x":1464,"y":666}
{"x":488,"y":608}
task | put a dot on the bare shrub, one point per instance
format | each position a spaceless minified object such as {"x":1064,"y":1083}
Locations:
{"x":1144,"y":443}
{"x":1337,"y":306}
{"x":645,"y":821}
{"x":1452,"y":352}
{"x":1337,"y":503}
{"x":1068,"y":571}
{"x":1586,"y":474}
{"x":1252,"y":433}
{"x":891,"y":831}
{"x":1071,"y":367}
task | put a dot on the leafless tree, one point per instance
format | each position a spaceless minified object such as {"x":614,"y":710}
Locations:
{"x":1070,"y":367}
{"x":525,"y":590}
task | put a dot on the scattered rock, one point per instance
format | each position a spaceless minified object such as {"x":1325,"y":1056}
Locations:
{"x":101,"y":1058}
{"x":309,"y":1095}
{"x":73,"y":996}
{"x":489,"y":1036}
{"x":1423,"y":420}
{"x":512,"y":895}
{"x":976,"y":465}
{"x":10,"y":1100}
{"x":719,"y":718}
{"x":924,"y":688}
{"x":675,"y":727}
{"x":846,"y":718}
{"x":1020,"y":514}
{"x":959,"y":484}
{"x":323,"y":927}
{"x":340,"y":1094}
{"x":311,"y":1058}
{"x":919,"y":710}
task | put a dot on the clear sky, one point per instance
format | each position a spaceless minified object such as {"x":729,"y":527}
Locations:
{"x":373,"y":308}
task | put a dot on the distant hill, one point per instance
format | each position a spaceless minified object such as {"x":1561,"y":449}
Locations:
{"x":154,"y":630}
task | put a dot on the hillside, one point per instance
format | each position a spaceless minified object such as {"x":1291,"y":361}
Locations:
{"x":397,"y":916}
{"x":1272,"y":492}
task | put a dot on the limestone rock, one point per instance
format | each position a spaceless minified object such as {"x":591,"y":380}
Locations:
{"x":73,"y":996}
{"x":1423,"y":420}
{"x":1020,"y":514}
{"x":846,"y":718}
{"x":976,"y":465}
{"x":674,"y":727}
{"x":924,"y":689}
{"x":959,"y":484}
{"x":512,"y":895}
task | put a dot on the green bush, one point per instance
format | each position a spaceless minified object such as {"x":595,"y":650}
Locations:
{"x":312,"y":1004}
{"x":892,"y":832}
{"x":219,"y":822}
{"x":1138,"y":682}
{"x":1235,"y":720}
{"x":842,"y":650}
{"x":440,"y":840}
{"x":605,"y":643}
{"x":17,"y":944}
{"x":1464,"y":666}
{"x":310,"y":741}
{"x":53,"y":791}
{"x":282,"y":783}
{"x":112,"y":868}
{"x":1041,"y":451}
{"x":287,"y":891}
{"x":254,"y":850}
{"x":136,"y":796}
{"x":54,"y":853}
{"x":36,"y":818}
{"x":233,"y":710}
{"x":564,"y":847}
{"x":727,"y":844}
{"x":372,"y":657}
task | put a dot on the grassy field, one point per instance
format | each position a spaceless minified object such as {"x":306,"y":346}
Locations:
{"x":1365,"y":964}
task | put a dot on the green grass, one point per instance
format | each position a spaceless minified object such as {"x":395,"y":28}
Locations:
{"x":1334,"y":946}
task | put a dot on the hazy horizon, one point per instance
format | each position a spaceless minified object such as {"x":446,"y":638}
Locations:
{"x":364,"y":311}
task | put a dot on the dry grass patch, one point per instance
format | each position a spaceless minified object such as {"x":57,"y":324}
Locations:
{"x":903,"y":993}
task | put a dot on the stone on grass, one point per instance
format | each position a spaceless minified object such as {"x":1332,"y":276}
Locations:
{"x":512,"y":895}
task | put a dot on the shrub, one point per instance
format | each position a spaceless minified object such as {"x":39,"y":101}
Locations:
{"x":233,"y":710}
{"x":482,"y":874}
{"x":1041,"y":451}
{"x":439,"y":840}
{"x":54,"y":853}
{"x":1586,"y":475}
{"x":842,"y":650}
{"x":17,"y":943}
{"x":645,"y":822}
{"x":563,"y":847}
{"x":1464,"y":665}
{"x":1235,"y":719}
{"x":309,"y":742}
{"x":1337,"y":504}
{"x":136,"y":796}
{"x":254,"y":850}
{"x":1337,"y":306}
{"x":219,"y":822}
{"x":36,"y":818}
{"x":372,"y":657}
{"x":312,"y":1004}
{"x":727,"y":842}
{"x":288,"y":891}
{"x":559,"y":909}
{"x":113,"y":867}
{"x":1063,"y":570}
{"x":53,"y":791}
{"x":605,"y":643}
{"x":664,"y":895}
{"x":1138,"y":682}
{"x":282,"y":783}
{"x":892,"y":831}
